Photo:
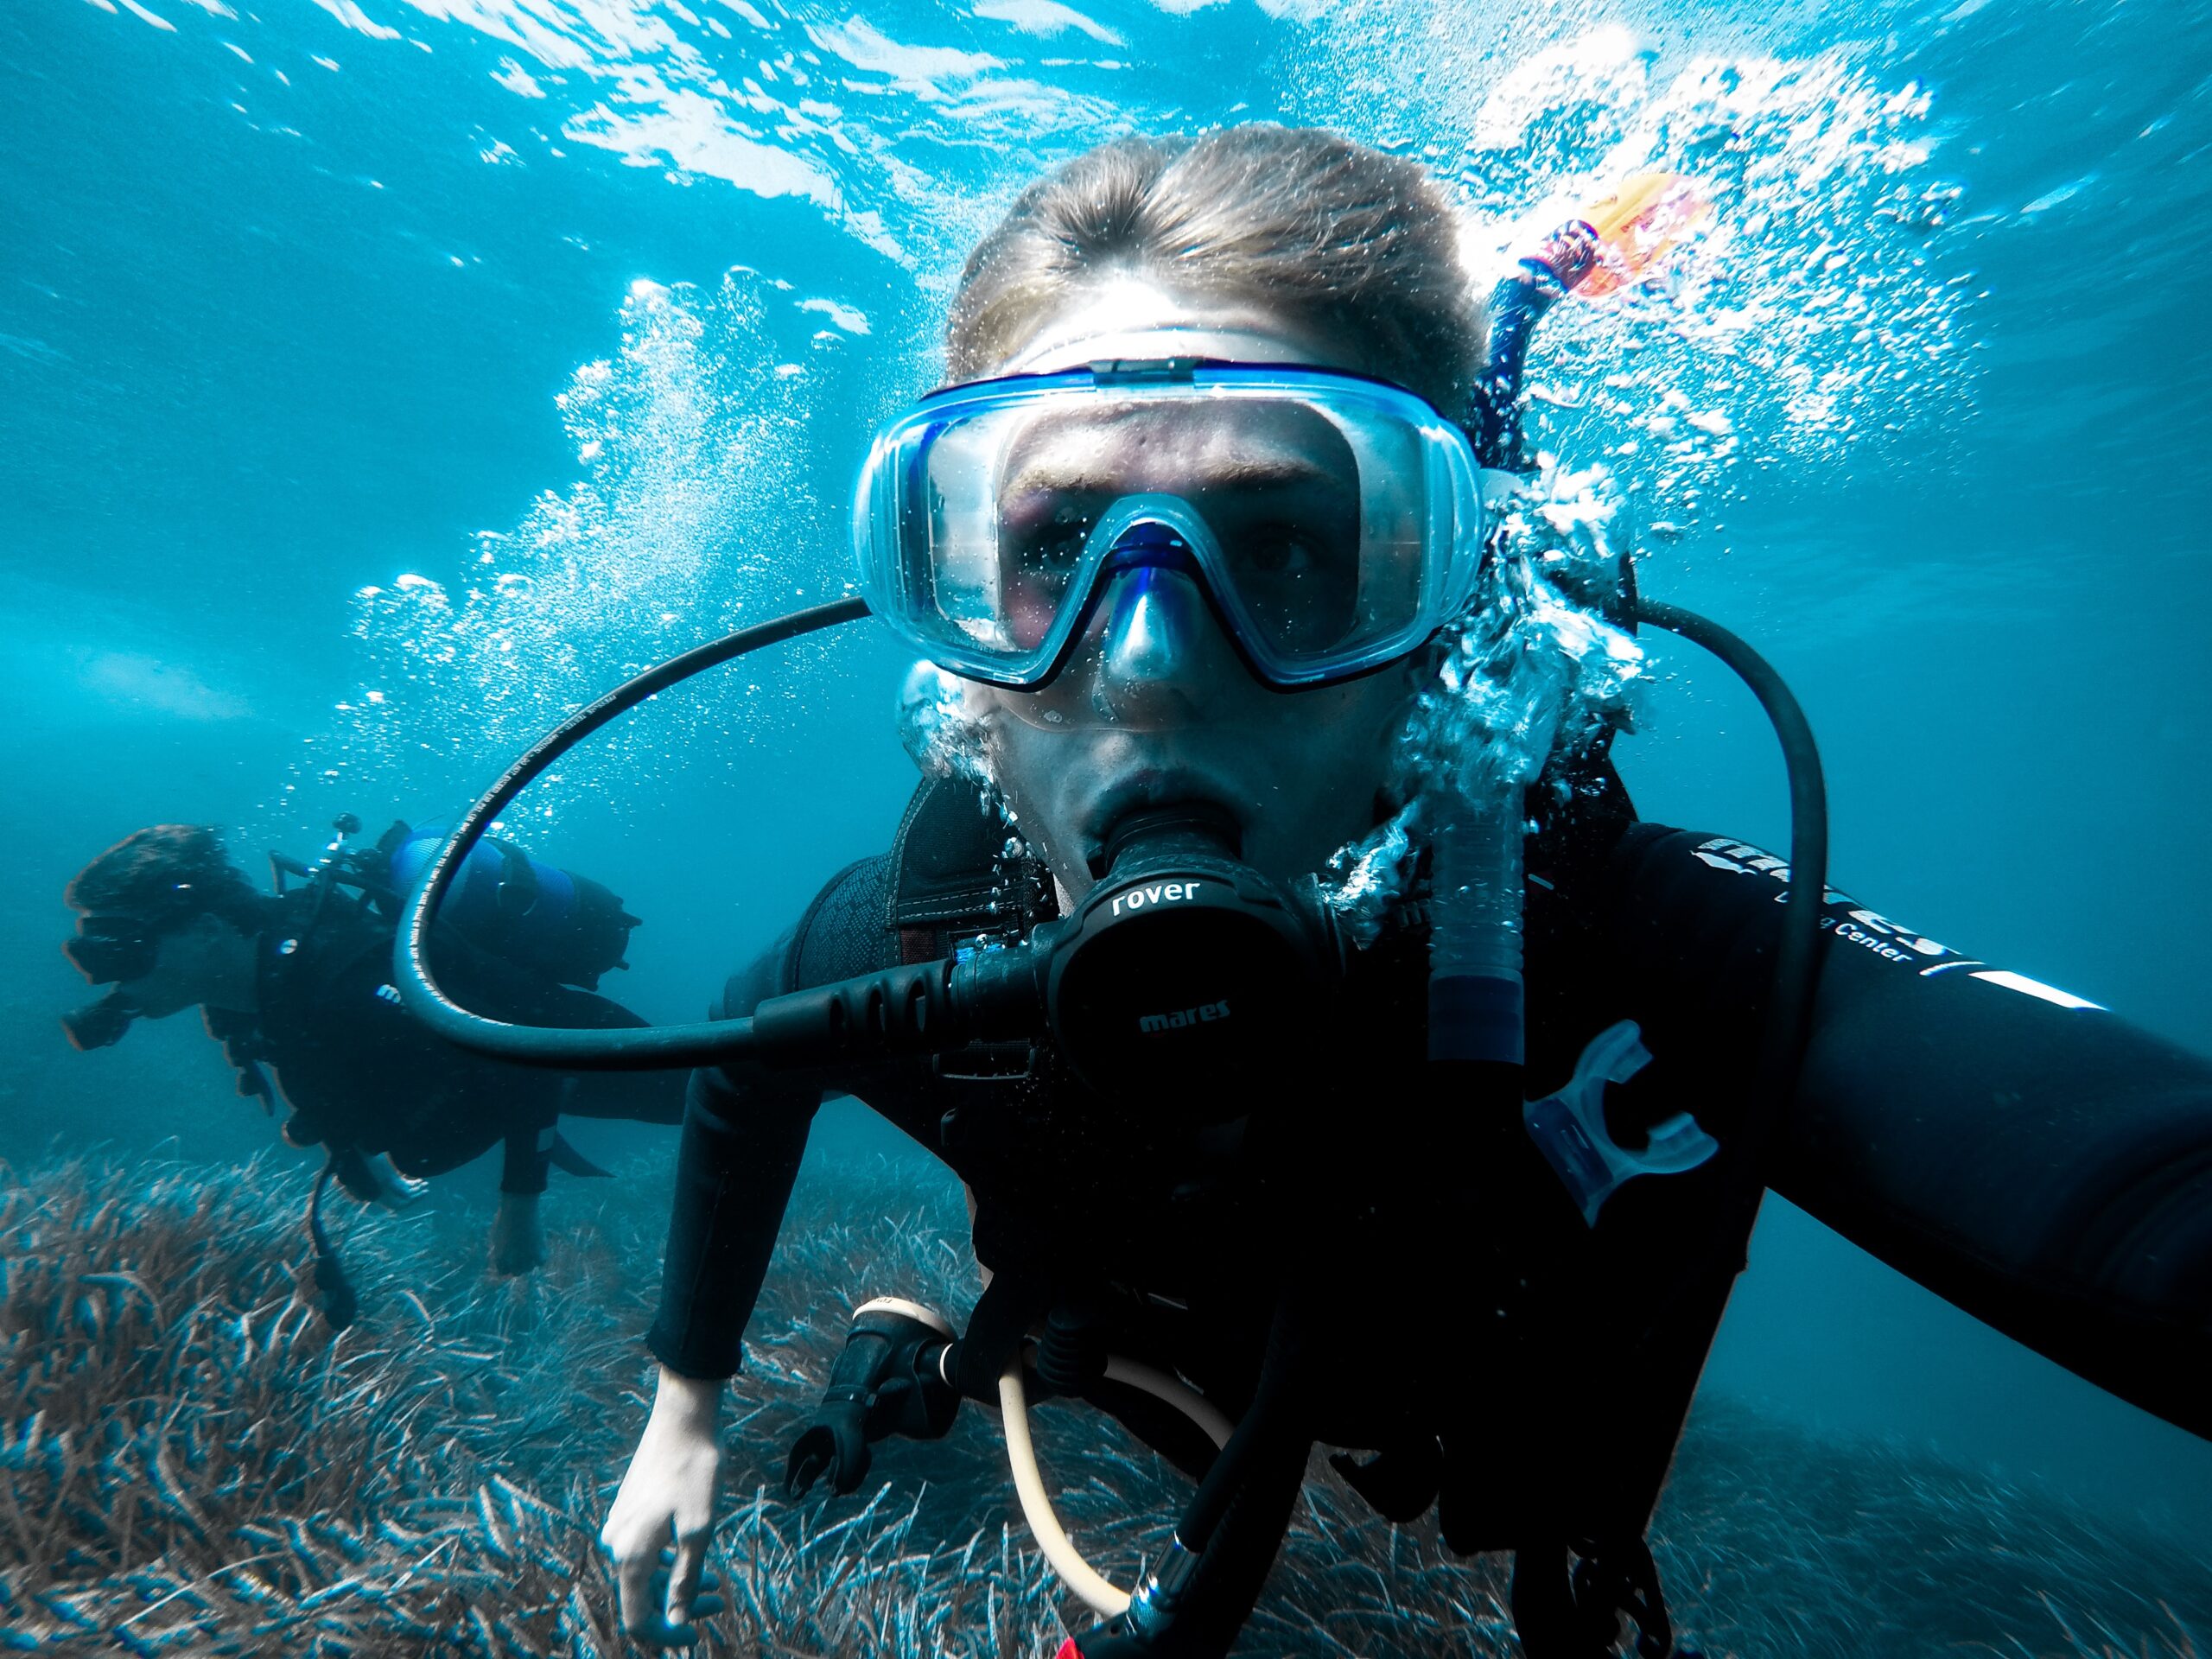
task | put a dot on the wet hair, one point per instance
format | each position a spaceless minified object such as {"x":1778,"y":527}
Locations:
{"x":1298,"y":222}
{"x":166,"y":875}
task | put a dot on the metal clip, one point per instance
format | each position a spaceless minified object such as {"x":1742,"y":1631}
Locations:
{"x":1159,"y":1598}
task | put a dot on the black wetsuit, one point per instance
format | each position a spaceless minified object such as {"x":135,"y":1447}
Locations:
{"x":363,"y":1077}
{"x":2045,"y":1166}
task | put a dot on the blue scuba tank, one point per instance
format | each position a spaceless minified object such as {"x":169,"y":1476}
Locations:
{"x":548,"y":920}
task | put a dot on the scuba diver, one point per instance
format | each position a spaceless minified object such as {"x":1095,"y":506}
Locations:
{"x":298,"y":985}
{"x":1204,"y":547}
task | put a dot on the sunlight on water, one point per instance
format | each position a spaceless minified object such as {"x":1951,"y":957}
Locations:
{"x":770,"y":101}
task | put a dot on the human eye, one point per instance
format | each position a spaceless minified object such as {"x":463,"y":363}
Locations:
{"x":1048,"y":536}
{"x":1281,"y":549}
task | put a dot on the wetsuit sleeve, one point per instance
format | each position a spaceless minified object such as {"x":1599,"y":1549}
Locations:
{"x":744,"y":1136}
{"x":2020,"y":1151}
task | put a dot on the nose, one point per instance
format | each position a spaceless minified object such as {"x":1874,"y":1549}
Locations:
{"x":1161,"y":648}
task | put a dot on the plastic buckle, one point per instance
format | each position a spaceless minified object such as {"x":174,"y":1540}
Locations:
{"x":1569,"y":1126}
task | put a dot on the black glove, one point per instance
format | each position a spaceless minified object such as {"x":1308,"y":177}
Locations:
{"x":887,"y":1382}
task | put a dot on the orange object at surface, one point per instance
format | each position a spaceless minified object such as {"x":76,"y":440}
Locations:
{"x":1646,"y":215}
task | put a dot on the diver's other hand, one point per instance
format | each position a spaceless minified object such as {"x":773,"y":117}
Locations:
{"x":518,"y":1238}
{"x":395,"y":1191}
{"x":668,"y":1492}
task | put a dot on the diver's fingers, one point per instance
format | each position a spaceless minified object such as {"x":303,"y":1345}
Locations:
{"x":634,"y":1563}
{"x":658,"y":1632}
{"x":708,"y":1578}
{"x":683,"y":1576}
{"x":695,"y":1526}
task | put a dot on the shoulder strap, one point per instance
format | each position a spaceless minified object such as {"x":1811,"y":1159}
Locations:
{"x":842,"y":933}
{"x":951,"y":875}
{"x":945,"y":856}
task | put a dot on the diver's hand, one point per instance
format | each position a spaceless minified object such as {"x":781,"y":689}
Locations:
{"x":517,"y":1239}
{"x":669,"y":1491}
{"x":395,"y":1191}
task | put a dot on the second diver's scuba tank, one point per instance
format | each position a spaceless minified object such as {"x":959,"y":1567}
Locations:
{"x":551,"y":921}
{"x":543,"y":919}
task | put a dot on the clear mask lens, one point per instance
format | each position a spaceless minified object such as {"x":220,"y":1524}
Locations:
{"x":1325,"y":521}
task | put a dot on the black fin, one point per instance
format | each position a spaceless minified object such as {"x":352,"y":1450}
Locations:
{"x":564,"y":1157}
{"x":341,"y":1305}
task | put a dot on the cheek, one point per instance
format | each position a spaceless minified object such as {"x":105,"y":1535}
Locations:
{"x":1331,"y":764}
{"x":1058,"y":706}
{"x":1025,"y":762}
{"x":1045,"y":773}
{"x":1354,"y":728}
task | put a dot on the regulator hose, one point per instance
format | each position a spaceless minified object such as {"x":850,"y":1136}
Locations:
{"x":1798,"y":959}
{"x":644,"y":1049}
{"x":341,"y":1304}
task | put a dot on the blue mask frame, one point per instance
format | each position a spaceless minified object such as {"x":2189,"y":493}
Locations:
{"x":1158,"y":531}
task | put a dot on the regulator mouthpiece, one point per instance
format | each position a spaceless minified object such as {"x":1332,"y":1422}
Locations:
{"x":1185,"y":963}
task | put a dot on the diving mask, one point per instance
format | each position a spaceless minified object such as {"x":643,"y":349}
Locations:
{"x":108,"y":949}
{"x":1333,"y":522}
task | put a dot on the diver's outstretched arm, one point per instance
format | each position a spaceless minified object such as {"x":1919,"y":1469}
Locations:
{"x":740,"y":1155}
{"x":2019,"y":1150}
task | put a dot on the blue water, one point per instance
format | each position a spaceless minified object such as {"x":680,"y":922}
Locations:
{"x":378,"y":379}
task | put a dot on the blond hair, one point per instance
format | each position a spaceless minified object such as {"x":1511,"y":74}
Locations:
{"x":1302,"y":223}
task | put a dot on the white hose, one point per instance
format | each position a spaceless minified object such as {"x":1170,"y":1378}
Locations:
{"x":1172,"y":1391}
{"x":1101,"y":1595}
{"x":906,"y":1310}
